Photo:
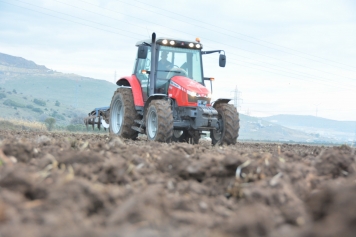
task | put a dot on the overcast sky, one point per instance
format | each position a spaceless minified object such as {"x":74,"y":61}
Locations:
{"x":284,"y":56}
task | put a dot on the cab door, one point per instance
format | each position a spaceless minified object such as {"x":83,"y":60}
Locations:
{"x":143,"y":68}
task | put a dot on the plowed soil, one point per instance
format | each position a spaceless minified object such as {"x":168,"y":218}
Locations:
{"x":54,"y":184}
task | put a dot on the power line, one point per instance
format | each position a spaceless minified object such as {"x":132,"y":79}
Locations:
{"x":170,"y":28}
{"x":290,"y":75}
{"x":329,"y":73}
{"x":128,"y":31}
{"x":73,"y":17}
{"x":220,"y":27}
{"x":346,"y":87}
{"x":234,"y":32}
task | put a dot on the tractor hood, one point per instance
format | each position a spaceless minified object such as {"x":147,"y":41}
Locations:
{"x":191,"y":85}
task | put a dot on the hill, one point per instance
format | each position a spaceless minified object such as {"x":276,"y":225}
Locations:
{"x":252,"y":128}
{"x":30,"y":79}
{"x":338,"y":130}
{"x":34,"y":92}
{"x":14,"y":105}
{"x":18,"y":62}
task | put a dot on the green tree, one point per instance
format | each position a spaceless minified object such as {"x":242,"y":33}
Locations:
{"x":2,"y":95}
{"x":50,"y":123}
{"x":39,"y":102}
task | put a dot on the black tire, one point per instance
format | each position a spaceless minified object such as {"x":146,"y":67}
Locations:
{"x":229,"y":125}
{"x":159,"y":121}
{"x":192,"y":137}
{"x":123,"y":114}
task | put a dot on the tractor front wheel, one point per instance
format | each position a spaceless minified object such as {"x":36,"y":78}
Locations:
{"x":123,"y":114}
{"x":159,"y":121}
{"x":229,"y":125}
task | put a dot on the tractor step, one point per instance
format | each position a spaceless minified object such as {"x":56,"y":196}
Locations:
{"x":141,"y":122}
{"x":140,"y":130}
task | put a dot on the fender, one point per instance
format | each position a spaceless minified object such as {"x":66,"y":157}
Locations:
{"x":221,"y":101}
{"x":134,"y":83}
{"x":153,"y":97}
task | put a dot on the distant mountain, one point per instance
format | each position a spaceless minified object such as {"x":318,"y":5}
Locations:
{"x":23,"y":82}
{"x":341,"y":130}
{"x":252,"y":128}
{"x":30,"y":79}
{"x":12,"y":61}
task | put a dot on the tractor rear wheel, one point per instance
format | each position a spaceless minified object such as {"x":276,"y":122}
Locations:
{"x":192,"y":137}
{"x":229,"y":125}
{"x":123,"y":114}
{"x":159,"y":121}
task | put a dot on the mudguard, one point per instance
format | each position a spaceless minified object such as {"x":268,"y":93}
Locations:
{"x":134,"y":83}
{"x":221,"y":100}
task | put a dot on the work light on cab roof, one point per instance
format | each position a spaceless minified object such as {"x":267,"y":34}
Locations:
{"x":179,"y":43}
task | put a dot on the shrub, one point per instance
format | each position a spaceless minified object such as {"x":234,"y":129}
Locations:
{"x":14,"y":91}
{"x":55,"y":114}
{"x":57,"y":103}
{"x":77,"y":120}
{"x":37,"y":110}
{"x":9,"y":102}
{"x":76,"y":128}
{"x":39,"y":102}
{"x":50,"y":123}
{"x":2,"y":95}
{"x":29,"y":106}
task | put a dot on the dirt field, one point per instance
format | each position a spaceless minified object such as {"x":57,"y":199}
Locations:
{"x":64,"y":185}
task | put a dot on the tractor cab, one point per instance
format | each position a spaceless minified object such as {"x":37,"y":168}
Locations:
{"x":170,"y":58}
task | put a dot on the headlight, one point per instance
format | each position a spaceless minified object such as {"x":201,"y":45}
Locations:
{"x":164,"y":41}
{"x":191,"y":93}
{"x":191,"y":45}
{"x":198,"y":46}
{"x":172,"y":42}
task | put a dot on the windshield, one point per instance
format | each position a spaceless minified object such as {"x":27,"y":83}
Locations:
{"x":174,"y":61}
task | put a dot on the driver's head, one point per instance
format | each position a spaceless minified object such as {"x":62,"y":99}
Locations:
{"x":164,"y":55}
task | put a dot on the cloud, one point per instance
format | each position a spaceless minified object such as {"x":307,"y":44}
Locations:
{"x":278,"y":52}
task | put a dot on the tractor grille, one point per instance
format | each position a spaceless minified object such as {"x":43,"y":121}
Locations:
{"x":194,"y":99}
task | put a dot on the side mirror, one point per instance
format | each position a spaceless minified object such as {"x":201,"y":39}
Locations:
{"x":222,"y":60}
{"x":142,"y":51}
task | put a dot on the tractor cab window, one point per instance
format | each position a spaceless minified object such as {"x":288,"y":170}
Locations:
{"x":142,"y":69}
{"x":174,"y":61}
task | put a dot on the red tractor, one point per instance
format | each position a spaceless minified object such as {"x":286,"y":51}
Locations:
{"x":166,"y":98}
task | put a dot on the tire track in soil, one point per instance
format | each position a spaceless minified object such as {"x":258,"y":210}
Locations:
{"x":54,"y":184}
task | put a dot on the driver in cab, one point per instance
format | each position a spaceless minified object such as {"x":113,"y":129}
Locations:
{"x":164,"y":64}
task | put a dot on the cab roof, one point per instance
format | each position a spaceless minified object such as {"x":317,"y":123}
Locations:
{"x":149,"y":41}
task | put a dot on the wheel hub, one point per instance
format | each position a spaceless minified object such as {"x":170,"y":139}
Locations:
{"x":152,"y":124}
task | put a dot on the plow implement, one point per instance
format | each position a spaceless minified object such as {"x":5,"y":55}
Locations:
{"x":99,"y":117}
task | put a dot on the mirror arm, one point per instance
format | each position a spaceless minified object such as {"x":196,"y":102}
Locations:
{"x":213,"y":51}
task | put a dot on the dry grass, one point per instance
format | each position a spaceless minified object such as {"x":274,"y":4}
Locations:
{"x":20,"y":124}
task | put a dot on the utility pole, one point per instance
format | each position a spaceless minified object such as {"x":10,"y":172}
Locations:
{"x":237,"y":99}
{"x":354,"y":142}
{"x":316,"y":109}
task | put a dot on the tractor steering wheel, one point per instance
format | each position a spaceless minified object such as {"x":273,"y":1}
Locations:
{"x":176,"y":71}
